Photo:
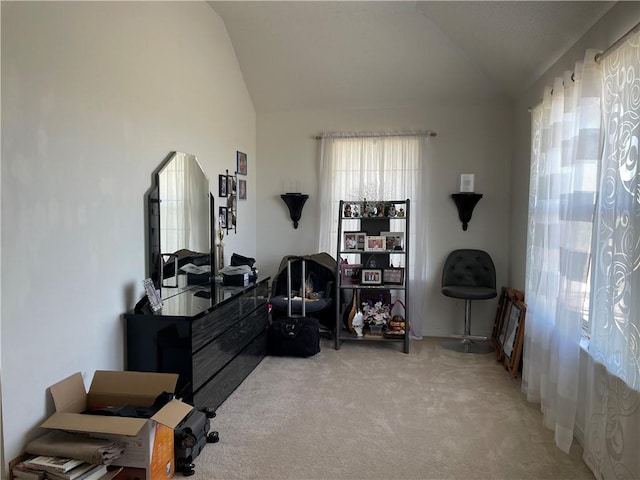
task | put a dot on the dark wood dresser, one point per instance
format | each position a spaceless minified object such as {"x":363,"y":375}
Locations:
{"x":212,"y":343}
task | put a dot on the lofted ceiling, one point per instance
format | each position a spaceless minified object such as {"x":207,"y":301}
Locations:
{"x":306,"y":55}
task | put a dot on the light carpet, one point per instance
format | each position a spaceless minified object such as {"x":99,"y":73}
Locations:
{"x":369,"y":411}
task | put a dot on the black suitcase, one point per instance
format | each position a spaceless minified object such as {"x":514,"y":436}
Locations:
{"x":294,"y":336}
{"x":189,"y":438}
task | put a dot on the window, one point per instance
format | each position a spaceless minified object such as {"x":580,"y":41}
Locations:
{"x":377,"y":167}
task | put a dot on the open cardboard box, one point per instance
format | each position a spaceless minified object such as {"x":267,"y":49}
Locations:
{"x":149,"y":442}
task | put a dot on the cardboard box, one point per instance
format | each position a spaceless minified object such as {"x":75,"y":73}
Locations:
{"x":149,"y":442}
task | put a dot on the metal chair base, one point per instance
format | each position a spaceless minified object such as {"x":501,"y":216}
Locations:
{"x":467,"y":345}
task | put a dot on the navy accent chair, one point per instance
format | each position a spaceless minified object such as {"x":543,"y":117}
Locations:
{"x":469,"y":275}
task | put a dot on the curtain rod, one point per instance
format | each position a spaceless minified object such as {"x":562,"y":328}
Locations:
{"x":599,"y":56}
{"x":617,"y":43}
{"x":369,"y":134}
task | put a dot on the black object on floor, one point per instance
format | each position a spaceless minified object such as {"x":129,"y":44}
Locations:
{"x":296,"y":336}
{"x":189,"y":438}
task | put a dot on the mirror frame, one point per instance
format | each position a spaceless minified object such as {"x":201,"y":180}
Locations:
{"x":154,"y":253}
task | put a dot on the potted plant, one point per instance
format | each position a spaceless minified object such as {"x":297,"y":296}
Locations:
{"x":376,"y":315}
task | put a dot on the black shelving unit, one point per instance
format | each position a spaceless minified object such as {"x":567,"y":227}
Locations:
{"x":370,"y":219}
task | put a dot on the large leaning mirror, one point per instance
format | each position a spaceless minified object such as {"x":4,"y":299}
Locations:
{"x":180,"y":238}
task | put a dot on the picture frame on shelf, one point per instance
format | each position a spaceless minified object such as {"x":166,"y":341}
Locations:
{"x":241,"y":160}
{"x":394,"y":241}
{"x":375,"y":243}
{"x":350,"y":273}
{"x":393,"y":276}
{"x":353,"y":241}
{"x":222,"y":185}
{"x":371,"y":276}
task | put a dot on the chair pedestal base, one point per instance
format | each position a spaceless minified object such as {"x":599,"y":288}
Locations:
{"x":466,"y":345}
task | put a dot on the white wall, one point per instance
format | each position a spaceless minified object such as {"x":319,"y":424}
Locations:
{"x":615,"y":23}
{"x":470,"y":139}
{"x":94,"y":97}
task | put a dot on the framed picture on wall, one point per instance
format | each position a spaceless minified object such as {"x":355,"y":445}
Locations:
{"x":241,"y":159}
{"x":222,"y":185}
{"x":242,"y":189}
{"x":222,"y":217}
{"x":232,"y":185}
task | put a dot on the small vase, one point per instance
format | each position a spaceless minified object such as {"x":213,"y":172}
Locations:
{"x":358,"y":330}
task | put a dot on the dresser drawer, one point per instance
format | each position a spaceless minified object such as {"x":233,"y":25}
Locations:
{"x":215,"y":355}
{"x":253,"y":299}
{"x":204,"y":330}
{"x":214,"y":392}
{"x":253,"y":325}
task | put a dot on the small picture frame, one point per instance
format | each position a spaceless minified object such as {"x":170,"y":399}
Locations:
{"x":222,"y":217}
{"x":353,"y":241}
{"x":222,"y":185}
{"x":350,"y":273}
{"x":155,"y":302}
{"x":371,"y":276}
{"x":514,"y":337}
{"x":394,"y":241}
{"x":232,"y":185}
{"x":242,"y":189}
{"x":241,"y":159}
{"x":393,"y":276}
{"x":375,"y":243}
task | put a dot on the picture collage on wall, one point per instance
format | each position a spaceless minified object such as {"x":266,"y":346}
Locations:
{"x":233,"y":189}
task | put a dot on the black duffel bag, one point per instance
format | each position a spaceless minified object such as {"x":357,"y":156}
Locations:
{"x":296,"y":337}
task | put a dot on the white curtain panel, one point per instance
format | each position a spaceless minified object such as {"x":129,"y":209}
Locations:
{"x":564,"y":159}
{"x":379,"y":166}
{"x":612,"y":430}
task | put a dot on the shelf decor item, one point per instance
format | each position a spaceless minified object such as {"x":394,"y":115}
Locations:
{"x":350,"y":273}
{"x":371,"y":276}
{"x":393,"y":276}
{"x":376,"y":313}
{"x":375,"y":243}
{"x":393,"y":240}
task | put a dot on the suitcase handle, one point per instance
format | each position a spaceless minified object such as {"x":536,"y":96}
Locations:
{"x":302,"y":286}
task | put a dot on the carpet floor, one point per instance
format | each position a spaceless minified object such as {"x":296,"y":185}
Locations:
{"x":369,"y":411}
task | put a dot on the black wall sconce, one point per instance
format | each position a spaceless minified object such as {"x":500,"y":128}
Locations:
{"x":466,"y":202}
{"x":295,"y":202}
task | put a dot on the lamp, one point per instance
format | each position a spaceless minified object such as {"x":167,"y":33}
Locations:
{"x":295,"y":202}
{"x":465,"y":202}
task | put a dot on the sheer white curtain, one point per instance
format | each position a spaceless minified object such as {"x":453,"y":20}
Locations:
{"x":612,"y":430}
{"x":565,"y":152}
{"x":379,"y":166}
